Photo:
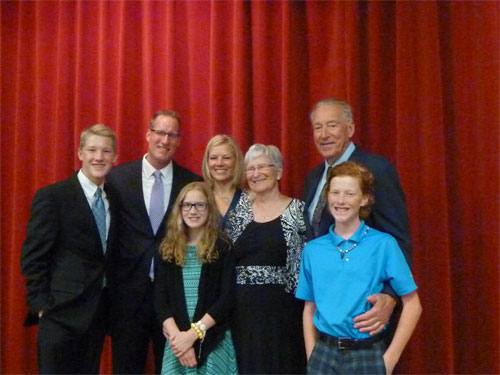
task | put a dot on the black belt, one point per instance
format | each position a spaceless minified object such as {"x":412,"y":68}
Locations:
{"x":343,"y":343}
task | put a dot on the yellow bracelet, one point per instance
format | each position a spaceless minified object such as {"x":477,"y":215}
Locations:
{"x":197,"y":330}
{"x":202,"y":327}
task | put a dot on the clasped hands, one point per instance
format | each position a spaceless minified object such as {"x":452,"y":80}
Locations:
{"x":181,"y":344}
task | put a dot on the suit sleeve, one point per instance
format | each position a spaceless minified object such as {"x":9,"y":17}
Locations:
{"x":37,"y":249}
{"x":389,"y":212}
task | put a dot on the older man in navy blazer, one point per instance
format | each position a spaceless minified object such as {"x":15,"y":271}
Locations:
{"x":65,"y":258}
{"x":146,"y":189}
{"x":333,"y":128}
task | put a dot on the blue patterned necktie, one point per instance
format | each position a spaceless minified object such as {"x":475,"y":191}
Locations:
{"x":100,"y":216}
{"x":156,"y":211}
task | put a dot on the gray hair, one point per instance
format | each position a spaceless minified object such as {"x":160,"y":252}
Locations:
{"x":271,"y":152}
{"x":346,"y":108}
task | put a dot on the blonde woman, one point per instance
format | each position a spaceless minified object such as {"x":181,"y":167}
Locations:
{"x":194,"y":287}
{"x":223,"y":170}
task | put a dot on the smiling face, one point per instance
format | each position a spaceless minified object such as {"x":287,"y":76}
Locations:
{"x":332,"y":131}
{"x":162,"y":147}
{"x":345,"y":199}
{"x":262,"y":176}
{"x":194,"y":218}
{"x":97,"y":156}
{"x":221,"y":163}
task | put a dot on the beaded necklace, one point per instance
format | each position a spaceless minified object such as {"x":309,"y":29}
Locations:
{"x":344,"y":252}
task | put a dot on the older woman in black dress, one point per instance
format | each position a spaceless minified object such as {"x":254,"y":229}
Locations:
{"x":268,"y":232}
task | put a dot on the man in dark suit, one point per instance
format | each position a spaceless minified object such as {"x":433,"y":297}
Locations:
{"x":333,"y":128}
{"x":147,"y":189}
{"x":65,"y":260}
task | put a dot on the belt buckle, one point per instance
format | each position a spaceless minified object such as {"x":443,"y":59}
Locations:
{"x":344,"y":343}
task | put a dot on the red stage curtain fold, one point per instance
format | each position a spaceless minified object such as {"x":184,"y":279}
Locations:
{"x":422,"y":77}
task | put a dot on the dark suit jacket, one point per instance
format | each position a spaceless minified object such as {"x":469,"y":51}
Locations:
{"x":62,"y":256}
{"x":215,"y":297}
{"x":388,"y":213}
{"x":137,"y":243}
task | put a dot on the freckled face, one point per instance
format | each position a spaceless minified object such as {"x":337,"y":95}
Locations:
{"x":345,"y":199}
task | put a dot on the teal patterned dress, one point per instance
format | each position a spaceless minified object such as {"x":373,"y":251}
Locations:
{"x":222,"y":360}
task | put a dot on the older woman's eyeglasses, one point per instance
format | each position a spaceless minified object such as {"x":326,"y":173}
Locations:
{"x":258,"y":168}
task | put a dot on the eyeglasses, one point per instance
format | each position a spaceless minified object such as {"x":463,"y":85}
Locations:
{"x":258,"y":168}
{"x":199,"y":206}
{"x":161,"y":133}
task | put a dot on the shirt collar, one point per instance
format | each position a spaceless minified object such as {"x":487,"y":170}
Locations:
{"x":89,"y":187}
{"x":356,"y":237}
{"x":345,"y":156}
{"x":148,"y":169}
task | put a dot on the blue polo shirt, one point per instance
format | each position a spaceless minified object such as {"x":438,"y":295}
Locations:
{"x":339,"y":287}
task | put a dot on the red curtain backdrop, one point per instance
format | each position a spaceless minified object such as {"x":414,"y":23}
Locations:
{"x":423,"y":79}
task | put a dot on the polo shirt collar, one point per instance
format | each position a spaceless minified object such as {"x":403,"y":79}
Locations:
{"x":356,"y":237}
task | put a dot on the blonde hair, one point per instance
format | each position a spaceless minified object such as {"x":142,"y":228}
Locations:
{"x":218,"y":140}
{"x":101,"y":130}
{"x":173,"y":245}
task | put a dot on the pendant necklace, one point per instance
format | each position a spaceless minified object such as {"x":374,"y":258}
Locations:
{"x":225,"y":199}
{"x":344,"y":252}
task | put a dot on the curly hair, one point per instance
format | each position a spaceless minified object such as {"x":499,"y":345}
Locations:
{"x":173,"y":245}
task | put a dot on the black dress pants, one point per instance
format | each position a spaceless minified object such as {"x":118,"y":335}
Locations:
{"x":61,"y":351}
{"x":131,"y":338}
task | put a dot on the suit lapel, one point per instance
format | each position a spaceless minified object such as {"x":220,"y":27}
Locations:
{"x":86,"y":215}
{"x":357,"y":155}
{"x":136,"y":196}
{"x":315,"y":178}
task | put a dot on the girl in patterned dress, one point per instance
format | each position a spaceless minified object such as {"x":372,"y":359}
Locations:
{"x":194,"y":287}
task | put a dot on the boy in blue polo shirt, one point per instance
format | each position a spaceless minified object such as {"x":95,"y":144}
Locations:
{"x":340,"y":270}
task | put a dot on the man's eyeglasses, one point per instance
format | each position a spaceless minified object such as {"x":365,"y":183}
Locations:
{"x":258,"y":168}
{"x":200,"y":206}
{"x":161,"y":133}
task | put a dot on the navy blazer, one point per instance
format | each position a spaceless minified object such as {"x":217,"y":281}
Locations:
{"x":62,"y":256}
{"x":388,"y":214}
{"x":137,"y":244}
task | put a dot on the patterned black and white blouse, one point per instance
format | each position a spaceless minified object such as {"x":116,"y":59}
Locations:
{"x":294,"y":230}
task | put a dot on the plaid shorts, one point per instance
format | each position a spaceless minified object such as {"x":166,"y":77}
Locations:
{"x":328,"y":359}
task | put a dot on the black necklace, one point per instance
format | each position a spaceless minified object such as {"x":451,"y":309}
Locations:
{"x":344,"y":252}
